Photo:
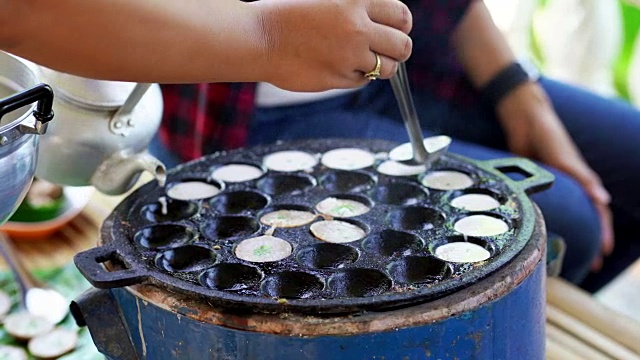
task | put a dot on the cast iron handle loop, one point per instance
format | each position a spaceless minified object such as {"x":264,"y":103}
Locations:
{"x":538,"y":178}
{"x":89,"y":263}
{"x":43,"y":112}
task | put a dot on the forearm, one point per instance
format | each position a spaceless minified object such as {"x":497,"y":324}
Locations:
{"x":480,"y":46}
{"x":141,"y":40}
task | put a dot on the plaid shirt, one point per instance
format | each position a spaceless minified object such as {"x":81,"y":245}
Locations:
{"x":200,"y":119}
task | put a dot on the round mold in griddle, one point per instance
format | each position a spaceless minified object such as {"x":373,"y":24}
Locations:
{"x":185,"y":258}
{"x":419,"y":270}
{"x":163,"y":236}
{"x":231,"y":226}
{"x":236,"y":202}
{"x":292,"y":285}
{"x":359,"y":282}
{"x":231,"y":276}
{"x":327,"y":256}
{"x":394,"y":243}
{"x":167,"y":209}
{"x":341,"y":181}
{"x":286,"y":184}
{"x":399,"y":193}
{"x":416,"y":218}
{"x":406,"y":220}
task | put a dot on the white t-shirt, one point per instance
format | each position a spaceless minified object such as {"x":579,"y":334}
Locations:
{"x":268,"y":95}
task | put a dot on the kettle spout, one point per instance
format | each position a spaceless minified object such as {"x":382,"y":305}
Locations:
{"x":118,"y":173}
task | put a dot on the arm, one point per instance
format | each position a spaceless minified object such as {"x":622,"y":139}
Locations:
{"x":531,"y":125}
{"x":295,"y":43}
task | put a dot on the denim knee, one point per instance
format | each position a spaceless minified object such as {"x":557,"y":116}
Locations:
{"x":569,"y":213}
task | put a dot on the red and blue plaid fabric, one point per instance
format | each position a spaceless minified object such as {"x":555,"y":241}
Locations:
{"x":200,"y":119}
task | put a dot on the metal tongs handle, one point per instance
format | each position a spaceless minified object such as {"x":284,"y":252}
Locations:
{"x":402,"y":92}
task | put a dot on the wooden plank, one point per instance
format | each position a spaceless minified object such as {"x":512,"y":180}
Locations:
{"x":589,"y":335}
{"x":556,"y":351}
{"x":581,"y":305}
{"x":565,"y":340}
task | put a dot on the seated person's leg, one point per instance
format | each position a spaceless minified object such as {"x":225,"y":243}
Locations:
{"x":605,"y":131}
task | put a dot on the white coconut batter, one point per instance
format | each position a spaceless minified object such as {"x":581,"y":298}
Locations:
{"x":237,"y":173}
{"x":335,"y":231}
{"x":192,"y":190}
{"x":290,"y":161}
{"x":348,"y":159}
{"x":341,"y":207}
{"x":481,"y":225}
{"x":263,"y":248}
{"x":432,"y":144}
{"x":462,"y":252}
{"x":475,"y":202}
{"x":287,"y":218}
{"x":394,"y":168}
{"x":447,"y":180}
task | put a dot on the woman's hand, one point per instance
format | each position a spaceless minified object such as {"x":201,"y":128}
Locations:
{"x":533,"y":130}
{"x":314,"y":45}
{"x":304,"y":45}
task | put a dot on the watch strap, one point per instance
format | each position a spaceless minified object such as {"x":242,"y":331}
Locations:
{"x":503,"y":83}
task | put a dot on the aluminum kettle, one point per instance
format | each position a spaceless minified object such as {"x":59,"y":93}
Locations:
{"x":101,"y":133}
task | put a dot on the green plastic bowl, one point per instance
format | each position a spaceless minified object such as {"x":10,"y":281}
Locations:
{"x":27,"y":212}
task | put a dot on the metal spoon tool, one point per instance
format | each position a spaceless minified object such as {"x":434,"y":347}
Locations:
{"x":35,"y":297}
{"x":420,"y":154}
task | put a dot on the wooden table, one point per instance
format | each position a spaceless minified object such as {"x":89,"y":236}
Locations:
{"x":80,"y":234}
{"x":578,"y":327}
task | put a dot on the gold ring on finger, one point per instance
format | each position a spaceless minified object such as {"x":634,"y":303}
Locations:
{"x":375,"y":73}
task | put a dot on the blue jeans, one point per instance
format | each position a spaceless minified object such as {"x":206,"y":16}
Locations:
{"x":606,"y":131}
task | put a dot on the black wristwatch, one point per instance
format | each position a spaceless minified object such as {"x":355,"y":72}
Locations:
{"x":509,"y":78}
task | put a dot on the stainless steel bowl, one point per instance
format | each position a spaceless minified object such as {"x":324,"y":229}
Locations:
{"x":19,"y":129}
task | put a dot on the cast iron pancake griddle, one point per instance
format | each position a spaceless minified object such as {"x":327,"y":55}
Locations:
{"x":189,"y":248}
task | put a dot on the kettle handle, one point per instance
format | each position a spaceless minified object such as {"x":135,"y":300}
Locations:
{"x":43,"y":112}
{"x":121,"y":120}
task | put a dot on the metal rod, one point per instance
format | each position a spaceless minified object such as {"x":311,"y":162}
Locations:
{"x":402,"y":92}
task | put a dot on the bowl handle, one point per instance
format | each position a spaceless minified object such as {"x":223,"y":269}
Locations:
{"x":536,"y":178}
{"x":43,"y":113}
{"x":89,"y":263}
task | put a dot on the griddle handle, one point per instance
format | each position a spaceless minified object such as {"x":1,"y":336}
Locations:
{"x":536,"y":178}
{"x":90,"y":265}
